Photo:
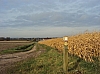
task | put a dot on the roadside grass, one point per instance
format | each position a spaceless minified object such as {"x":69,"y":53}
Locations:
{"x":50,"y":62}
{"x":90,"y":67}
{"x":43,"y":46}
{"x":18,"y":49}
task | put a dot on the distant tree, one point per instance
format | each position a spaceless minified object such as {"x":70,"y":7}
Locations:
{"x":2,"y":38}
{"x":8,"y":38}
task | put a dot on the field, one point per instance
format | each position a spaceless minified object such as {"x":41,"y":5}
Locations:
{"x":86,"y":46}
{"x":9,"y":47}
{"x":14,"y":51}
{"x":50,"y":62}
{"x":6,"y":45}
{"x":46,"y":57}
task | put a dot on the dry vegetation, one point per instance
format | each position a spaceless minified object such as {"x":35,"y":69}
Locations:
{"x":12,"y":44}
{"x":85,"y":45}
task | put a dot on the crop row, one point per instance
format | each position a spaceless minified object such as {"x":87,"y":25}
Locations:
{"x":86,"y":46}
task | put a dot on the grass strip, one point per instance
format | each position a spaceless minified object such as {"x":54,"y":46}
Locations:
{"x":18,"y":49}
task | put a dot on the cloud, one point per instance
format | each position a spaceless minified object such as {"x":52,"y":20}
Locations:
{"x":45,"y":31}
{"x":51,"y":14}
{"x":53,"y":19}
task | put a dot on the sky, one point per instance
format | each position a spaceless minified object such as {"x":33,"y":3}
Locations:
{"x":48,"y":18}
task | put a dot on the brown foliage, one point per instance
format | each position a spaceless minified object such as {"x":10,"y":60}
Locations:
{"x":85,"y":45}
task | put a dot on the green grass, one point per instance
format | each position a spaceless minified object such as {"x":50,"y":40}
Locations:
{"x":90,"y":67}
{"x":18,"y":49}
{"x":42,"y":46}
{"x":50,"y":62}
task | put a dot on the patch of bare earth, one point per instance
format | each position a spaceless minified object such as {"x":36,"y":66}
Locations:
{"x":9,"y":60}
{"x":6,"y":45}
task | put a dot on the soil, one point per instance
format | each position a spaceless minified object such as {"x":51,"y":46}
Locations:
{"x":9,"y":60}
{"x":6,"y":45}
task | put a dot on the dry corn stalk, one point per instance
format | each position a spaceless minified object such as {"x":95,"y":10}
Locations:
{"x":85,"y":45}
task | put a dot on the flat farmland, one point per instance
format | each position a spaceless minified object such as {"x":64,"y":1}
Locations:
{"x":6,"y":45}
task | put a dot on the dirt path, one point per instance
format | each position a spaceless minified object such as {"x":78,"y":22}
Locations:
{"x":9,"y":60}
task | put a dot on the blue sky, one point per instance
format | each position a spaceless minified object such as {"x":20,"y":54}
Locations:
{"x":48,"y":18}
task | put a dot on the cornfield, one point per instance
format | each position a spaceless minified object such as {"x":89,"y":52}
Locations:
{"x":86,"y":45}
